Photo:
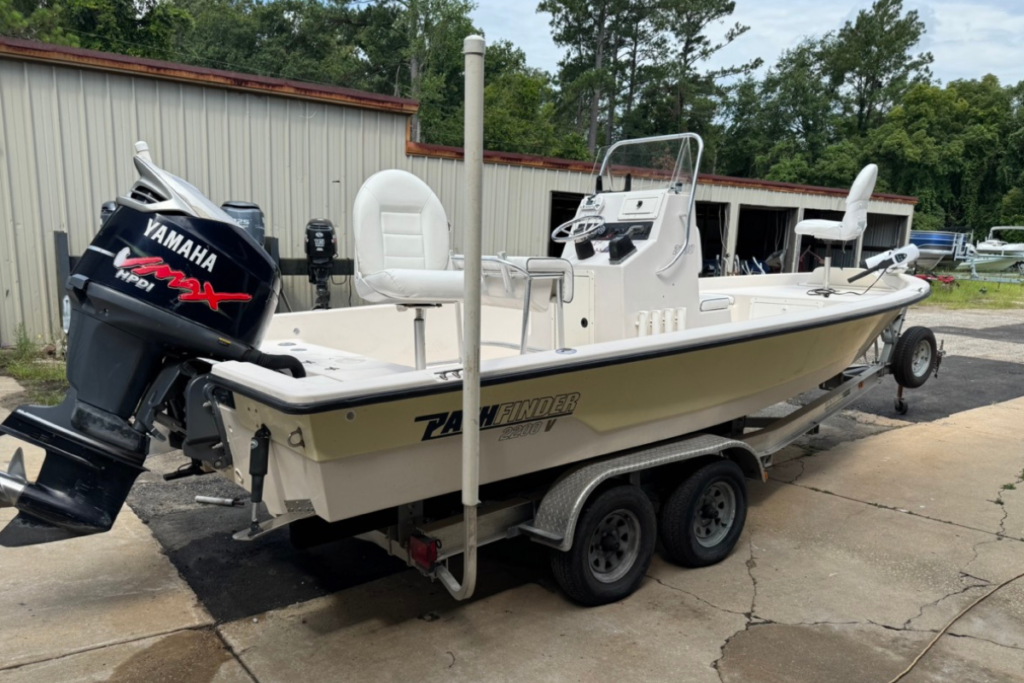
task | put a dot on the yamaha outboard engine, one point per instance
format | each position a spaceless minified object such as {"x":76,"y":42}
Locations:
{"x":106,"y":211}
{"x":321,"y":250}
{"x":249,"y":216}
{"x":169,"y":280}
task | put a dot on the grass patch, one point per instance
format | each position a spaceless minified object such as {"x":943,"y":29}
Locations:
{"x":43,"y":377}
{"x":972,"y":294}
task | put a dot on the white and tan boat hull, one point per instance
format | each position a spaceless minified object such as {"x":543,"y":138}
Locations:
{"x":384,"y":452}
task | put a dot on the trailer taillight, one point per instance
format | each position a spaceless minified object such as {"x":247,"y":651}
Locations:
{"x":423,"y":552}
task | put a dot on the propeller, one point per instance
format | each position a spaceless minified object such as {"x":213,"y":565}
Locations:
{"x":12,"y":483}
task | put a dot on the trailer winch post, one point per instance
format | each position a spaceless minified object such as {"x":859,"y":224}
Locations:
{"x":473,"y":48}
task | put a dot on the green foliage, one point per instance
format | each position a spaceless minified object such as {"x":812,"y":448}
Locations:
{"x":43,"y":378}
{"x":973,"y":295}
{"x":35,"y":21}
{"x":826,"y":107}
{"x":638,"y":67}
{"x":870,"y":61}
{"x":949,"y":146}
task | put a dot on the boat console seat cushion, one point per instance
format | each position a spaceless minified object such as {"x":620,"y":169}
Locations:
{"x":855,"y":220}
{"x":403,"y":242}
{"x":409,"y":286}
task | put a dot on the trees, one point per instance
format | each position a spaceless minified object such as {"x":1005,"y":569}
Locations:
{"x":34,"y":21}
{"x":687,"y":22}
{"x":871,"y":61}
{"x":951,"y":147}
{"x":636,"y":66}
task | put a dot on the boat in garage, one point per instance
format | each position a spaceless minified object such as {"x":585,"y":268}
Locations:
{"x":610,"y":378}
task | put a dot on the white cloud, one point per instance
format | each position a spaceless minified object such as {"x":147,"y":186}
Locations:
{"x":968,"y":39}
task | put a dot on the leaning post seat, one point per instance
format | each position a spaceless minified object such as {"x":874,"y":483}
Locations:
{"x":403,"y":257}
{"x":402,"y":249}
{"x":854,"y":222}
{"x":509,"y":281}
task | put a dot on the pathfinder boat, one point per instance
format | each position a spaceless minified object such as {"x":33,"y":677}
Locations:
{"x":606,"y":374}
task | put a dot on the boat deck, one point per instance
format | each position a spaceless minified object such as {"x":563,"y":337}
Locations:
{"x":732,"y":300}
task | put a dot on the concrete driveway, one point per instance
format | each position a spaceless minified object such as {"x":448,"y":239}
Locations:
{"x":869,"y":538}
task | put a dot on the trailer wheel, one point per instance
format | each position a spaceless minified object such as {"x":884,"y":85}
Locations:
{"x":611,"y":550}
{"x":704,"y":517}
{"x":914,"y":358}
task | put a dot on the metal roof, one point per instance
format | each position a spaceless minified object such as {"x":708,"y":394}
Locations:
{"x":107,"y":61}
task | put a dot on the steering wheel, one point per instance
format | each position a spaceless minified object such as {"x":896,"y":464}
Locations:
{"x":578,"y":228}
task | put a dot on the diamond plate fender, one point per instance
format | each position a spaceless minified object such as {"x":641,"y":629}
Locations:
{"x":556,"y":517}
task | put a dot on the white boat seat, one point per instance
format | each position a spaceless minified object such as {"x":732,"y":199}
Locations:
{"x":402,"y":242}
{"x":409,"y":286}
{"x":715,"y":302}
{"x":854,"y":221}
{"x":403,"y":257}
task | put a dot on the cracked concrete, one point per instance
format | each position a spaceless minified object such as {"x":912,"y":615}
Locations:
{"x":782,"y":653}
{"x":187,"y":656}
{"x":819,"y":588}
{"x":377,"y":631}
{"x":93,"y":591}
{"x":953,"y":471}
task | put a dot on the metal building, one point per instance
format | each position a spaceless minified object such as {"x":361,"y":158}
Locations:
{"x":69,"y":119}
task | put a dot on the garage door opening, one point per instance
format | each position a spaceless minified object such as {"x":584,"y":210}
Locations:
{"x":712,"y":220}
{"x":761,"y":239}
{"x":563,"y":208}
{"x":812,"y":250}
{"x":882,"y":234}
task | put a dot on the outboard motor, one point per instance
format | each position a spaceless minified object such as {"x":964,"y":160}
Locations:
{"x":106,"y":211}
{"x":170,"y":279}
{"x":249,"y":216}
{"x":321,"y":250}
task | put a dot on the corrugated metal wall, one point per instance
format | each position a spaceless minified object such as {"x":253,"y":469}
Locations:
{"x":66,"y":144}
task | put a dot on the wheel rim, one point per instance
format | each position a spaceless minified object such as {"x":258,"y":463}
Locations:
{"x":922,"y":359}
{"x":716,"y":512}
{"x":614,"y":546}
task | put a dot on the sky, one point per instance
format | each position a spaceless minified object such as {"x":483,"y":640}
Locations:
{"x":968,"y":38}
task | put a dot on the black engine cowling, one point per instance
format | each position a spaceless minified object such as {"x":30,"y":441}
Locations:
{"x":156,"y":291}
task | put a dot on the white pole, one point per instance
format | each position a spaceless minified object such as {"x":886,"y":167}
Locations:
{"x":473,"y":48}
{"x":474,"y":164}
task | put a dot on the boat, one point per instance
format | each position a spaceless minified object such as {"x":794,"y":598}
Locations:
{"x":603,"y":366}
{"x":984,"y":262}
{"x":994,"y":246}
{"x":937,"y":246}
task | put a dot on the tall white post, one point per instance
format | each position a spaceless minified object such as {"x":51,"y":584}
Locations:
{"x":473,"y":48}
{"x":474,"y":164}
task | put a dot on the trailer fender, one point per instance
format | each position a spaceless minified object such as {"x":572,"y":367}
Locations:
{"x":555,"y":522}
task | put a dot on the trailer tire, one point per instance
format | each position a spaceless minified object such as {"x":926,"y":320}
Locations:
{"x":914,"y":358}
{"x":612,"y":547}
{"x":691,"y":529}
